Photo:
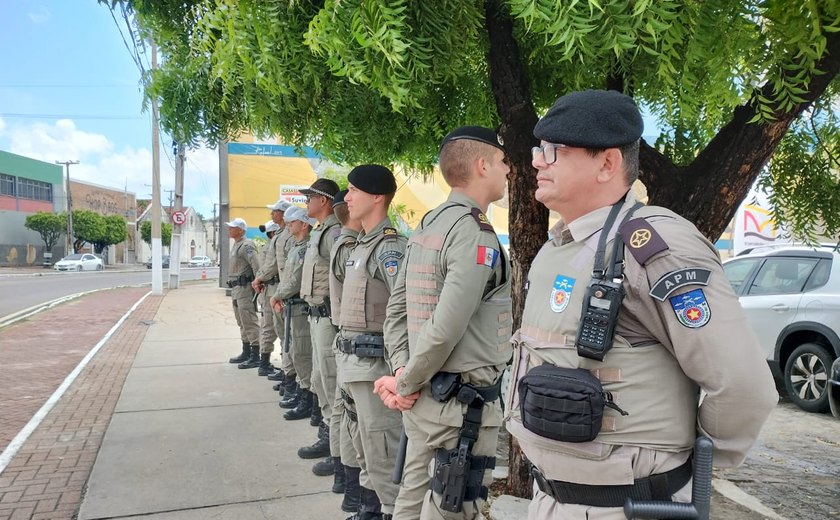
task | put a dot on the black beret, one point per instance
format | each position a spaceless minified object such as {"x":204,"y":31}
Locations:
{"x":339,"y":198}
{"x":325,"y":187}
{"x":591,"y":119}
{"x":373,"y":179}
{"x":475,"y":133}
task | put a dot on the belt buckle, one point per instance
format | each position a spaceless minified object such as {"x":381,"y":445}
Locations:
{"x":542,"y":483}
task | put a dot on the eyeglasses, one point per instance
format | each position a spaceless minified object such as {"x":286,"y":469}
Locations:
{"x":548,"y":151}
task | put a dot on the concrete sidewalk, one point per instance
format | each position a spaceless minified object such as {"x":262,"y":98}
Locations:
{"x":193,"y":437}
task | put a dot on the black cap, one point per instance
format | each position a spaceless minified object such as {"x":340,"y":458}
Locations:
{"x":325,"y":187}
{"x":591,"y":119}
{"x":373,"y":179}
{"x":475,"y":133}
{"x":339,"y":198}
{"x":262,"y":228}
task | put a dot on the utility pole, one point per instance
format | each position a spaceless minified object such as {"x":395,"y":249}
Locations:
{"x":68,"y":249}
{"x":157,"y":267}
{"x":170,"y":192}
{"x":175,"y":250}
{"x":215,"y":249}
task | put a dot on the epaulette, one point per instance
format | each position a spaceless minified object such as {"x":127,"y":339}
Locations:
{"x":481,"y":219}
{"x":390,"y":233}
{"x":641,"y":239}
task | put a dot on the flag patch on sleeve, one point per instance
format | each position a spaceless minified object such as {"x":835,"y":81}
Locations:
{"x":487,"y":256}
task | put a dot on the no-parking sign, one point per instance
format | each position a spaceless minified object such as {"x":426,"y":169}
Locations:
{"x":178,"y":218}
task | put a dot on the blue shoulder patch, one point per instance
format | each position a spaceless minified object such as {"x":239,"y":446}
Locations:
{"x":692,"y":308}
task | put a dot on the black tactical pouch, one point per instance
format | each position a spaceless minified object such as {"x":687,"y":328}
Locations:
{"x":444,"y":385}
{"x":563,"y":404}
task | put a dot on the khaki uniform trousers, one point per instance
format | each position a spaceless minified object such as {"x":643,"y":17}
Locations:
{"x":301,"y":348}
{"x":323,"y":365}
{"x":376,"y":439}
{"x":285,"y":358}
{"x":416,"y":500}
{"x":245,"y":312}
{"x":544,"y":507}
{"x":268,"y":332}
{"x":347,"y":431}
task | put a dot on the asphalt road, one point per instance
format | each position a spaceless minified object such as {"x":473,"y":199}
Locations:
{"x":21,"y":291}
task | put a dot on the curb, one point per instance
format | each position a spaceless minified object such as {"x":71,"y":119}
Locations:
{"x":9,"y":319}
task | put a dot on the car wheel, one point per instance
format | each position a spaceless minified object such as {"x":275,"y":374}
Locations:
{"x":806,"y":377}
{"x":99,"y":267}
{"x":78,"y":268}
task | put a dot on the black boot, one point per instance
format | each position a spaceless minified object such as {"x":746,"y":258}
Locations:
{"x":370,"y":508}
{"x":350,"y":504}
{"x":279,"y":375}
{"x":303,"y":408}
{"x":316,"y":418}
{"x":265,"y":367}
{"x":254,"y":360}
{"x":246,"y":353}
{"x":327,"y":467}
{"x":291,"y":394}
{"x":321,"y":448}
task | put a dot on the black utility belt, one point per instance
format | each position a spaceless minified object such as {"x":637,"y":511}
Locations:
{"x":448,"y":385}
{"x":274,"y":280}
{"x":363,"y":346}
{"x":240,"y":281}
{"x":319,"y":311}
{"x":655,"y":487}
{"x":295,"y":300}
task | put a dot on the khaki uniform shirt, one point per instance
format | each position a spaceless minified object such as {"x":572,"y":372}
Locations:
{"x":680,"y":327}
{"x":339,"y":254}
{"x":244,"y":261}
{"x":315,"y":285}
{"x":289,"y":286}
{"x":268,"y":265}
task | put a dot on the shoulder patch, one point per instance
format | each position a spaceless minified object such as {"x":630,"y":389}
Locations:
{"x":482,"y":220}
{"x":390,"y":232}
{"x":674,"y":280}
{"x":641,"y":239}
{"x":390,"y":254}
{"x":692,"y":309}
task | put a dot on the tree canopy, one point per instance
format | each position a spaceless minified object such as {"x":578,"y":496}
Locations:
{"x":114,"y":232}
{"x":93,"y":228}
{"x":165,"y":233}
{"x":49,"y":225}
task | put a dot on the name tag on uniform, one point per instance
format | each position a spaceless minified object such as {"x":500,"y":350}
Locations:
{"x":349,"y":263}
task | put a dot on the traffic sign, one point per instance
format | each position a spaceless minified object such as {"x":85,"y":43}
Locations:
{"x":178,"y":218}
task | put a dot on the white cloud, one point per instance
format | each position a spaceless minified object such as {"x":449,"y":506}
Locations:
{"x":40,"y":16}
{"x":100,"y":162}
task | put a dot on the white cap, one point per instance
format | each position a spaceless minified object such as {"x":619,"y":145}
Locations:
{"x":297,"y":213}
{"x":238,"y":222}
{"x":269,"y":226}
{"x":280,"y":205}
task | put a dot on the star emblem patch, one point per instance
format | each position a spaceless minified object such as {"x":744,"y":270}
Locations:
{"x":691,"y":308}
{"x":561,"y":293}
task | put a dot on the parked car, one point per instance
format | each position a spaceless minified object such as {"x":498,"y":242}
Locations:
{"x":80,"y":262}
{"x":834,"y":389}
{"x":164,"y":261}
{"x":200,"y":261}
{"x":791,"y":297}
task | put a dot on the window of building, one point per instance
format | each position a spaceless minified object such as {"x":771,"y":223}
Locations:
{"x":29,"y":189}
{"x":7,"y":185}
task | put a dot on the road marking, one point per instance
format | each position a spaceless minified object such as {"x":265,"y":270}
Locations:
{"x":13,"y":447}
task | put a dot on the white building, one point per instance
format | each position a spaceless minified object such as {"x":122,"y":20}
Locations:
{"x":194,"y":238}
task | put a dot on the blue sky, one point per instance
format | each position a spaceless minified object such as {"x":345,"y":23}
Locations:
{"x":69,"y":90}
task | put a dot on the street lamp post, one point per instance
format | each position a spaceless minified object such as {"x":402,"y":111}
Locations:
{"x":69,"y":244}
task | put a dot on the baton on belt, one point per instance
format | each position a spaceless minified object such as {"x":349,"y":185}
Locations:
{"x":396,"y":476}
{"x":701,"y":492}
{"x":287,"y":326}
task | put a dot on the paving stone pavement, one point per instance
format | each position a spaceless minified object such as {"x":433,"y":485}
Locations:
{"x":46,"y":479}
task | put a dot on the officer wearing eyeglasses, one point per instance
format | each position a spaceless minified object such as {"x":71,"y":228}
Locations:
{"x":628,"y":316}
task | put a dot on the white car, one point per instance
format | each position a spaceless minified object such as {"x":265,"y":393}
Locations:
{"x":791,"y":297}
{"x":79,"y":262}
{"x":200,"y":261}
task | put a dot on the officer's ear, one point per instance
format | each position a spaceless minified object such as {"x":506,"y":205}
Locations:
{"x":611,"y":165}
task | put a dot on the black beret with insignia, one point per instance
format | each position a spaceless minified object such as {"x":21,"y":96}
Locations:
{"x":475,"y":133}
{"x":373,"y":179}
{"x":591,"y":119}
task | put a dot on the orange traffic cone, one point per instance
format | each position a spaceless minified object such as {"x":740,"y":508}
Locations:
{"x":204,"y":274}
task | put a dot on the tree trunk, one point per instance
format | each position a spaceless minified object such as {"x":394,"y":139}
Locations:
{"x":709,"y":190}
{"x":528,"y":225}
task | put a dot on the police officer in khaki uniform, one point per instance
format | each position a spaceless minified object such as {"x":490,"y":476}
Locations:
{"x":679,"y":329}
{"x":447,"y":334}
{"x":286,"y":299}
{"x":268,"y":334}
{"x":266,"y":282}
{"x":244,"y":263}
{"x":315,"y":289}
{"x":369,"y":274}
{"x":282,"y":244}
{"x":346,"y":464}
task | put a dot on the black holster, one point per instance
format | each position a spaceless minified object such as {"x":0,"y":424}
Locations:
{"x":458,"y":473}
